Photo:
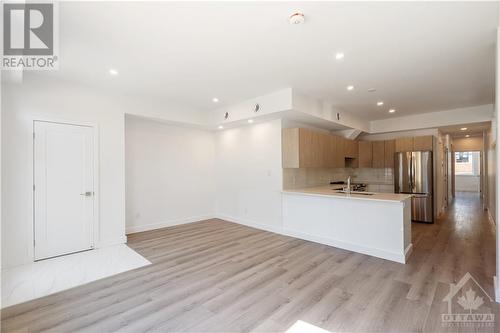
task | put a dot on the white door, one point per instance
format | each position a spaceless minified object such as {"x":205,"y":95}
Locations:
{"x":63,"y":188}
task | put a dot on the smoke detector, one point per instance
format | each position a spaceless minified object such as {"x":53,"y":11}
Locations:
{"x":297,"y":18}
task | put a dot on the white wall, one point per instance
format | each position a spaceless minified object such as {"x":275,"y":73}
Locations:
{"x":249,"y":174}
{"x":40,"y":96}
{"x":169,"y":174}
{"x":467,"y":183}
{"x":21,"y":104}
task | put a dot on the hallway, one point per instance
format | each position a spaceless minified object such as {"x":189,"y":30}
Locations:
{"x":215,"y":276}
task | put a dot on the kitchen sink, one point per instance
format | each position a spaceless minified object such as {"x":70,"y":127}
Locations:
{"x":355,"y":192}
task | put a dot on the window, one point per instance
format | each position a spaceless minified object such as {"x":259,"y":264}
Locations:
{"x":463,"y":157}
{"x":467,"y":163}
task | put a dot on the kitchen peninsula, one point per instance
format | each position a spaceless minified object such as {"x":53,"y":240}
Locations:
{"x":377,"y":224}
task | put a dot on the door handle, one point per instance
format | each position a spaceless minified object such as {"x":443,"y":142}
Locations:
{"x":87,"y":194}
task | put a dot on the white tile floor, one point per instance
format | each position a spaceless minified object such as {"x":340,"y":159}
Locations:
{"x":23,"y":283}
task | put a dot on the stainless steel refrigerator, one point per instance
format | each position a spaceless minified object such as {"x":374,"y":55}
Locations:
{"x":413,"y":175}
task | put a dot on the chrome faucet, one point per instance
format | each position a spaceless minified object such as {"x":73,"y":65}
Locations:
{"x":348,"y":189}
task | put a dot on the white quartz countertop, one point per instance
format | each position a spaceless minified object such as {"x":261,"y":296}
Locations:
{"x":331,"y":191}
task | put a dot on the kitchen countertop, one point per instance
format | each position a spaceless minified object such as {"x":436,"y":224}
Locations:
{"x":329,"y":191}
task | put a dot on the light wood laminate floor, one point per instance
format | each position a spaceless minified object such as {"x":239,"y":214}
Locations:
{"x":216,"y":276}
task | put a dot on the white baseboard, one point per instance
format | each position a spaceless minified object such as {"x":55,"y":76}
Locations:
{"x":159,"y":225}
{"x":248,"y":223}
{"x":398,"y":257}
{"x":408,"y":252}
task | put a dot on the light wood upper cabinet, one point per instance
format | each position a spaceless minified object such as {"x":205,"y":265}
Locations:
{"x":378,"y":154}
{"x":350,"y":148}
{"x":306,"y":148}
{"x":339,"y":152}
{"x":311,"y":148}
{"x":404,"y":144}
{"x":389,"y":150}
{"x":328,"y":150}
{"x":417,"y":143}
{"x":423,"y":143}
{"x":365,"y":154}
{"x":290,"y":147}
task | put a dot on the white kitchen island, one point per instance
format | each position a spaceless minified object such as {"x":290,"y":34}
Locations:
{"x":378,"y":225}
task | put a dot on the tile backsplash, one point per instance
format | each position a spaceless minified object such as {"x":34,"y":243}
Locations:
{"x":378,"y":180}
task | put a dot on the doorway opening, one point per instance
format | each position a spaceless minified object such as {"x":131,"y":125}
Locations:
{"x":468,"y":172}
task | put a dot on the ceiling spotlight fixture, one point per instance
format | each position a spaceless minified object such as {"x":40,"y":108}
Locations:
{"x":463,"y":129}
{"x":467,"y":136}
{"x":350,"y":88}
{"x":221,"y":127}
{"x":392,"y":110}
{"x":380,"y":103}
{"x":296,"y":18}
{"x":250,"y":121}
{"x":215,"y":100}
{"x":372,"y":89}
{"x":339,"y":55}
{"x":113,"y":71}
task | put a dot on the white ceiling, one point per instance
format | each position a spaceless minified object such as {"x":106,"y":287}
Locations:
{"x":420,"y":56}
{"x":475,"y":129}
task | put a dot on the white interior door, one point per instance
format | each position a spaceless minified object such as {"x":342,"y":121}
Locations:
{"x":63,"y":188}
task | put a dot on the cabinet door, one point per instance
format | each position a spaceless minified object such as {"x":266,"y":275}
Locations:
{"x":365,"y":154}
{"x":422,"y":143}
{"x":389,"y":150}
{"x":309,"y":151}
{"x":404,"y":144}
{"x":378,"y":158}
{"x":351,"y":148}
{"x":339,"y":152}
{"x":290,"y":147}
{"x":330,"y":150}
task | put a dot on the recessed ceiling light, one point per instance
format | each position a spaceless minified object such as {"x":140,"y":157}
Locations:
{"x":215,"y":99}
{"x":339,"y":55}
{"x":467,"y":136}
{"x":380,"y":103}
{"x":221,"y":127}
{"x":463,"y":129}
{"x":250,"y":121}
{"x":372,"y":89}
{"x":392,"y":110}
{"x":113,"y":71}
{"x":350,"y":88}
